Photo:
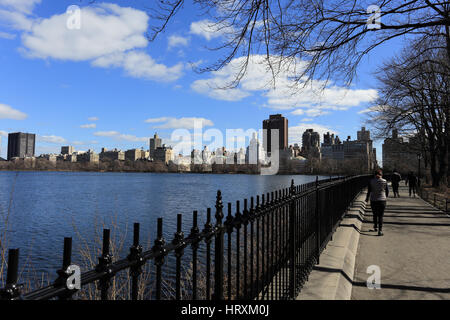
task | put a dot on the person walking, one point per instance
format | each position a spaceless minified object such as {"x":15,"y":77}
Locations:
{"x":412,"y":181}
{"x":378,"y":192}
{"x":396,"y":178}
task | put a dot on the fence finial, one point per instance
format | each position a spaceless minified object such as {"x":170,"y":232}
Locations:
{"x":64,"y":273}
{"x":136,"y":255}
{"x":219,"y":208}
{"x":104,"y":265}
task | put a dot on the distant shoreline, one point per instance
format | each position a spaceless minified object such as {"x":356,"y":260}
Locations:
{"x":169,"y":172}
{"x":44,"y":165}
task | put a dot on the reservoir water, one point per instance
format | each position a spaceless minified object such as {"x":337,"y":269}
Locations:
{"x":39,"y":209}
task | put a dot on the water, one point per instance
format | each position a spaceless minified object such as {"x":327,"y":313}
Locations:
{"x":45,"y":207}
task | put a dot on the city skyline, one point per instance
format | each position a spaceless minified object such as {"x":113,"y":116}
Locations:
{"x":259,"y":135}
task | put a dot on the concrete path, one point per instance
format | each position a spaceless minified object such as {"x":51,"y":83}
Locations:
{"x":413,"y":255}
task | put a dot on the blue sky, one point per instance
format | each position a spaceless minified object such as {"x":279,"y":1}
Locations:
{"x":105,"y":85}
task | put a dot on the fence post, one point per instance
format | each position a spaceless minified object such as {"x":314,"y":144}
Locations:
{"x":246,"y":218}
{"x":135,"y":255}
{"x":317,"y":213}
{"x":11,"y":291}
{"x":194,"y":235}
{"x":292,"y":237}
{"x":104,"y":265}
{"x":208,"y":230}
{"x":159,"y":248}
{"x":219,"y":250}
{"x":178,"y":241}
{"x":64,"y":274}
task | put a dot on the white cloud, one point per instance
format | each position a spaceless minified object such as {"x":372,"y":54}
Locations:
{"x":105,"y":29}
{"x":298,"y":112}
{"x":5,"y":35}
{"x":6,"y":112}
{"x":106,"y":133}
{"x":138,"y":64}
{"x":311,"y":112}
{"x":15,"y":20}
{"x":93,"y":119}
{"x":181,"y":123}
{"x":286,"y":94}
{"x":3,"y":133}
{"x":14,"y":14}
{"x":215,"y":88}
{"x":157,"y":120}
{"x":371,"y":109}
{"x":209,"y":29}
{"x":83,"y":143}
{"x":177,"y":41}
{"x":89,"y":126}
{"x":24,"y":6}
{"x":110,"y":36}
{"x":119,"y":136}
{"x":52,"y":139}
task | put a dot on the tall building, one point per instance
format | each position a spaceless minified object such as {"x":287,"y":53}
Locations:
{"x":89,"y":156}
{"x":112,"y":155}
{"x":133,"y":154}
{"x":311,"y":144}
{"x":164,"y":154}
{"x":196,"y":157}
{"x":359,"y":152}
{"x":155,"y":143}
{"x":400,"y":154}
{"x":332,"y":148}
{"x":21,"y":145}
{"x":363,"y":135}
{"x":255,"y":152}
{"x":67,"y":150}
{"x":275,"y":122}
{"x":206,"y":155}
{"x":240,"y":156}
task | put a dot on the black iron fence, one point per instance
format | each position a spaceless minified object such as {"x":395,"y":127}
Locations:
{"x":440,"y":201}
{"x":266,"y":251}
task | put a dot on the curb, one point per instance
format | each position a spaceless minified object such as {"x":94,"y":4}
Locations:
{"x":332,"y":279}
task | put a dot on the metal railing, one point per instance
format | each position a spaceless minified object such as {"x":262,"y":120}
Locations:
{"x":270,"y":248}
{"x":441,"y":202}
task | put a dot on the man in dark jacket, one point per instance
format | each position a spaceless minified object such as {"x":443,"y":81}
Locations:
{"x":396,"y":178}
{"x":412,"y":181}
{"x":378,"y":192}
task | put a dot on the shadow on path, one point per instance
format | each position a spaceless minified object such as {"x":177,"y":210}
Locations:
{"x":383,"y":285}
{"x":412,"y":256}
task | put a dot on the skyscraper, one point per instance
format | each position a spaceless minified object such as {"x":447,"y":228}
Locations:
{"x":275,"y":122}
{"x":21,"y":145}
{"x":255,"y":152}
{"x":67,"y":150}
{"x":155,"y":143}
{"x":310,"y":140}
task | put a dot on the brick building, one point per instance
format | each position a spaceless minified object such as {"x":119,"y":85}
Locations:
{"x":401,"y":154}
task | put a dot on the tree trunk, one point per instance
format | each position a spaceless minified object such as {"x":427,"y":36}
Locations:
{"x":443,"y":164}
{"x":433,"y":168}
